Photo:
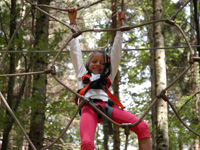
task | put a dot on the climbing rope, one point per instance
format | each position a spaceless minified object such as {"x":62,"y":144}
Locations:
{"x":13,"y":36}
{"x":17,"y":121}
{"x":84,"y":100}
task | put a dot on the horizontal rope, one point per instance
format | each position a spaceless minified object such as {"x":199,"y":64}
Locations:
{"x":66,"y":51}
{"x":48,"y":71}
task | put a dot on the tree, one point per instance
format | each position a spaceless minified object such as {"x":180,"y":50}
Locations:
{"x":197,"y":24}
{"x":160,"y":110}
{"x":116,"y":137}
{"x":10,"y":98}
{"x":39,"y":81}
{"x":194,"y":85}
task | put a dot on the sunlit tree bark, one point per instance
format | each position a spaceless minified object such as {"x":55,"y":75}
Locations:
{"x":194,"y":40}
{"x":160,"y":111}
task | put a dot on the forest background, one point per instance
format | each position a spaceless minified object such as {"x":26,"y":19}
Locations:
{"x":44,"y":107}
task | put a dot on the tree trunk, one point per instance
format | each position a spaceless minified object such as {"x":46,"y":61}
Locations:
{"x":180,"y":144}
{"x":153,"y":85}
{"x":153,"y":82}
{"x":197,"y":24}
{"x":193,"y":38}
{"x":195,"y":117}
{"x":159,"y":72}
{"x":39,"y":81}
{"x":9,"y":120}
{"x":116,"y":133}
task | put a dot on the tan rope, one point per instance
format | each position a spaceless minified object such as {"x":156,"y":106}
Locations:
{"x":174,"y":16}
{"x":26,"y":74}
{"x":17,"y":121}
{"x":86,"y":100}
{"x":13,"y":36}
{"x":35,"y":6}
{"x":164,"y":97}
{"x":61,"y":9}
{"x":67,"y":127}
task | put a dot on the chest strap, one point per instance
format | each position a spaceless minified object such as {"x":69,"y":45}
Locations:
{"x":86,"y":80}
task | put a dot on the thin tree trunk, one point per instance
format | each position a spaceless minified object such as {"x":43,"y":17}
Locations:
{"x":153,"y":89}
{"x":194,"y":39}
{"x":116,"y":133}
{"x":161,"y":121}
{"x":153,"y":82}
{"x":180,"y":144}
{"x":11,"y":82}
{"x":39,"y":81}
{"x":196,"y":117}
{"x":197,"y":25}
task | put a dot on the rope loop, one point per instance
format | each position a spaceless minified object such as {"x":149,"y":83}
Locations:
{"x":162,"y":95}
{"x":77,"y":34}
{"x":53,"y":70}
{"x":171,"y":22}
{"x":196,"y":59}
{"x":125,"y":28}
{"x":126,"y":127}
{"x":33,"y":5}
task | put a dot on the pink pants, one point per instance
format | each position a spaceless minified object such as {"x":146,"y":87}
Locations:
{"x":89,"y":122}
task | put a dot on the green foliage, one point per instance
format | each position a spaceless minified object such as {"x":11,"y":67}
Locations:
{"x":105,"y":39}
{"x":58,"y":114}
{"x":178,"y":133}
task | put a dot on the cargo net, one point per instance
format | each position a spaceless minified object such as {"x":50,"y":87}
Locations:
{"x":52,"y":71}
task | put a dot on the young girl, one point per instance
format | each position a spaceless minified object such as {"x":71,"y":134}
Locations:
{"x":95,"y":69}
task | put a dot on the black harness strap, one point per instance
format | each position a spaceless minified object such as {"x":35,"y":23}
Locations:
{"x":108,"y":110}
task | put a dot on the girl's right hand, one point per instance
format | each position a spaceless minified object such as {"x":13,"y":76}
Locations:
{"x":72,"y":13}
{"x":121,"y":16}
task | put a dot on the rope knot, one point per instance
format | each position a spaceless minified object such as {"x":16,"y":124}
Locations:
{"x":33,"y":5}
{"x":126,"y":127}
{"x":77,"y":34}
{"x":126,"y":28}
{"x":196,"y":59}
{"x":171,"y":22}
{"x":162,"y":95}
{"x":52,"y":70}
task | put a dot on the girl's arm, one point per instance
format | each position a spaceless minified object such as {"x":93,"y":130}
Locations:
{"x":116,"y":54}
{"x":76,"y":57}
{"x":116,"y":51}
{"x":75,"y":50}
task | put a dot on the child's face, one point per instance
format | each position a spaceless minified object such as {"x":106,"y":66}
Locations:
{"x":96,"y":64}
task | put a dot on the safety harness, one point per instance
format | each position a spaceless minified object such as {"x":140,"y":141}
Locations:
{"x":103,"y":84}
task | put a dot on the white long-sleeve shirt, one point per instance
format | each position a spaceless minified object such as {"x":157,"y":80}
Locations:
{"x":80,"y":69}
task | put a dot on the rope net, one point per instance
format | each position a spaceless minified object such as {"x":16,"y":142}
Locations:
{"x":52,"y":70}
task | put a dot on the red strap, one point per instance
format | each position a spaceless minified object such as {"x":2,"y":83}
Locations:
{"x":108,"y":84}
{"x":111,"y":95}
{"x":82,"y":91}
